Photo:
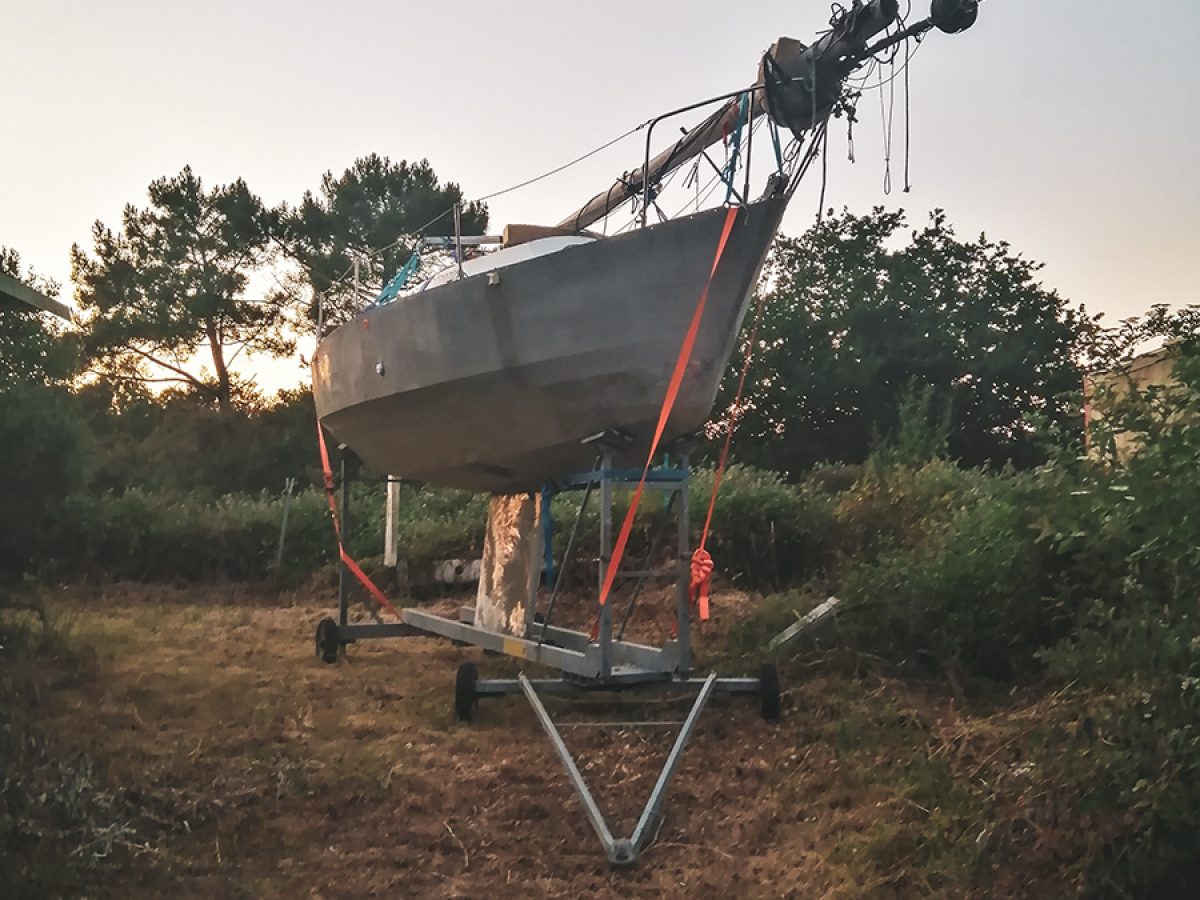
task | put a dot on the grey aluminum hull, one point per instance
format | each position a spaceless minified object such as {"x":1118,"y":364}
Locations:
{"x":490,"y":383}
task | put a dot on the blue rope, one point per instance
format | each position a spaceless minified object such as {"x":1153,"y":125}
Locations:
{"x":392,"y":289}
{"x":731,"y":168}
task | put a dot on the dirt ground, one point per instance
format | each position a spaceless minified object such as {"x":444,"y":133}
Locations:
{"x":258,"y":771}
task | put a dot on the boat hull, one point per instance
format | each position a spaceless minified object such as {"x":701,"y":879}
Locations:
{"x":491,"y":383}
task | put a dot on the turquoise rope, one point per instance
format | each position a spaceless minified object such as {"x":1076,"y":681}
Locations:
{"x":392,"y":289}
{"x":731,"y":168}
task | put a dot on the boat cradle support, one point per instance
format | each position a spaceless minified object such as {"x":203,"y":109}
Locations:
{"x":605,"y":659}
{"x":604,"y":663}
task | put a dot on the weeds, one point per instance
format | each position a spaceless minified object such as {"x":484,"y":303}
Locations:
{"x":56,"y":819}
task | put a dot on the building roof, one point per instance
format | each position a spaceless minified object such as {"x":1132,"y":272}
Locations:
{"x":14,"y":293}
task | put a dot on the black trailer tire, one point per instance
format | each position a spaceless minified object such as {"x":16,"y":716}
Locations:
{"x":465,"y":696}
{"x":328,"y":644}
{"x":768,"y":691}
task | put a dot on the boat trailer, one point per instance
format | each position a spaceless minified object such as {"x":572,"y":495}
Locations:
{"x":589,"y":663}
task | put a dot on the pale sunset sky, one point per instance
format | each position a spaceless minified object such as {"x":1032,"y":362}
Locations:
{"x":1070,"y":128}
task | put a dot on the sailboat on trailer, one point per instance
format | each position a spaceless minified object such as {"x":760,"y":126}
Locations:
{"x":493,"y":376}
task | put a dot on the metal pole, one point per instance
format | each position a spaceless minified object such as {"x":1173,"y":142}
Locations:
{"x":749,"y":151}
{"x":589,"y":805}
{"x":837,"y":53}
{"x":547,"y":537}
{"x":458,"y":246}
{"x":562,"y":569}
{"x":666,"y":154}
{"x":288,"y":485}
{"x":604,"y":562}
{"x":640,"y":836}
{"x":343,"y":572}
{"x":391,"y":538}
{"x":654,"y":544}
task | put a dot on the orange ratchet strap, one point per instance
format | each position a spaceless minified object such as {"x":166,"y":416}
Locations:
{"x":685,"y":355}
{"x":702,"y":564}
{"x":355,"y":569}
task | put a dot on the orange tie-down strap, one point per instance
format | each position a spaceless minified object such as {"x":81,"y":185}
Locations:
{"x":347,"y":560}
{"x":681,"y":363}
{"x":702,"y":562}
{"x":702,"y":569}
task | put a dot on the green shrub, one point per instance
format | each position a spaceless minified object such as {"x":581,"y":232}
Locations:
{"x":766,"y":534}
{"x":900,"y":506}
{"x":438,"y":523}
{"x":144,"y":535}
{"x":179,"y":443}
{"x":968,"y":595}
{"x":1128,"y":536}
{"x":45,"y":459}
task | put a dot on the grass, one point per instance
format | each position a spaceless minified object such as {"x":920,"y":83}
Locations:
{"x":223,"y":760}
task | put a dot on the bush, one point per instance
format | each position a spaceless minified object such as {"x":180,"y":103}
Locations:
{"x":160,"y":536}
{"x":967,"y":594}
{"x":145,"y":535}
{"x":901,"y":506}
{"x":766,"y":534}
{"x":437,"y":523}
{"x":1130,"y":542}
{"x":1088,"y":571}
{"x":46,"y":458}
{"x":179,"y":443}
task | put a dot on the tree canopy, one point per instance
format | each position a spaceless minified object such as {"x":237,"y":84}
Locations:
{"x":33,"y":348}
{"x":45,"y":442}
{"x":370,"y":212}
{"x":853,"y":322}
{"x":174,"y":281}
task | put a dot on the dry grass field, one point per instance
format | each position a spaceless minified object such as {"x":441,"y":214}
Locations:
{"x":236,"y":764}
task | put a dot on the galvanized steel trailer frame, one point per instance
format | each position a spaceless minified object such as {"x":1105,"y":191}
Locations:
{"x":606,"y":663}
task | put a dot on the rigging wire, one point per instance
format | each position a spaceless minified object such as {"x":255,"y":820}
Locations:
{"x":907,"y":117}
{"x":702,"y":193}
{"x":806,"y":159}
{"x":916,"y":39}
{"x":901,"y":25}
{"x":657,"y":192}
{"x":824,"y":171}
{"x":860,"y":83}
{"x":886,"y":116}
{"x":369,"y":253}
{"x":564,"y":166}
{"x":510,"y":189}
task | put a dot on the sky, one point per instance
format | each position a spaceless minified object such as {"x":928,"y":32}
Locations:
{"x":1069,"y":128}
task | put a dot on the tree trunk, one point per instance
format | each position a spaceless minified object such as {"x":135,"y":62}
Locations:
{"x":224,"y":392}
{"x":512,"y":562}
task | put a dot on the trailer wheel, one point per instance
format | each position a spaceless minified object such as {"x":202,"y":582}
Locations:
{"x":768,"y":691}
{"x":465,"y":696}
{"x":328,"y":644}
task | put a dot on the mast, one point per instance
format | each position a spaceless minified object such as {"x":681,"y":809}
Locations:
{"x":797,"y":85}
